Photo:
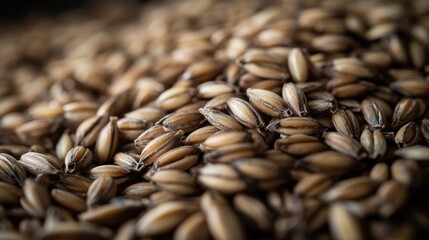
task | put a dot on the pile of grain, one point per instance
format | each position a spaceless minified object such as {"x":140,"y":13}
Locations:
{"x":226,"y":120}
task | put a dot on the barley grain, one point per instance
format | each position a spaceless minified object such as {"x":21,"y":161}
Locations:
{"x":77,"y":158}
{"x":223,"y":223}
{"x":11,"y":170}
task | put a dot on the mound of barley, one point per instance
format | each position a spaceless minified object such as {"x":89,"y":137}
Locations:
{"x":220,"y":120}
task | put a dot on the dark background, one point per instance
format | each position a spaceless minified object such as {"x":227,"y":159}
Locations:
{"x":18,"y":9}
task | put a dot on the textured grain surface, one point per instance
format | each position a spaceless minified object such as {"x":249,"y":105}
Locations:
{"x":223,"y":120}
